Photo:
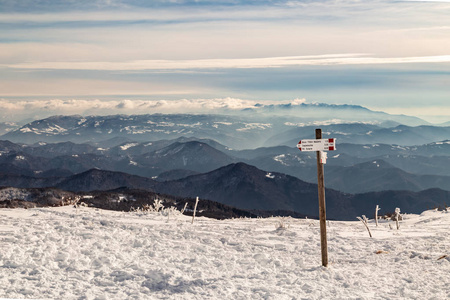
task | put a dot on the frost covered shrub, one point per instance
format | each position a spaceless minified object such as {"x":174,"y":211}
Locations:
{"x":156,"y":207}
{"x":281,"y":224}
{"x":10,"y":193}
{"x":170,"y":211}
{"x":397,"y":217}
{"x":391,"y":216}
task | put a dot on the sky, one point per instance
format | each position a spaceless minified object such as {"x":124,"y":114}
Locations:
{"x":94,"y":56}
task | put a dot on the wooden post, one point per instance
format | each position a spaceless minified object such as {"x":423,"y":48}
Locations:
{"x":376,"y":214}
{"x":322,"y":207}
{"x":195,"y":209}
{"x":397,"y":214}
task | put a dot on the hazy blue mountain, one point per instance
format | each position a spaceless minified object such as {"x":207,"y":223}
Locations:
{"x":96,"y":180}
{"x":7,"y":146}
{"x":436,"y":165}
{"x":250,"y":154}
{"x":112,"y":142}
{"x":11,"y":169}
{"x":372,"y":175}
{"x":246,"y":187}
{"x":365,"y":134}
{"x":234,"y":131}
{"x":372,"y":150}
{"x":6,"y":127}
{"x":145,"y":159}
{"x":90,"y":180}
{"x":175,"y":175}
{"x":25,"y":161}
{"x":267,"y":125}
{"x":139,"y":148}
{"x":24,"y":181}
{"x":194,"y":156}
{"x":59,"y":149}
{"x":314,"y":112}
{"x":379,"y":175}
{"x":430,"y":159}
{"x":341,"y":132}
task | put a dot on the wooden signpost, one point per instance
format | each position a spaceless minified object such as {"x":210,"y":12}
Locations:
{"x":320,"y":145}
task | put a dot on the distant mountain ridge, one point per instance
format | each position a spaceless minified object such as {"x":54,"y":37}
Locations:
{"x":232,"y":131}
{"x":169,"y":160}
{"x":365,"y":134}
{"x":246,"y":187}
{"x":378,"y":175}
{"x":222,"y":158}
{"x":239,"y":131}
{"x":144,"y":159}
{"x":6,"y":127}
{"x":313,"y":112}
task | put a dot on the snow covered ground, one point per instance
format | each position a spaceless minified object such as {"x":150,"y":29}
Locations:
{"x":86,"y":253}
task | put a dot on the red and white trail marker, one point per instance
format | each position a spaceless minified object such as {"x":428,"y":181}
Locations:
{"x":317,"y":145}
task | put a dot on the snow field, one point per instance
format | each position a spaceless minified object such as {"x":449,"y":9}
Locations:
{"x":86,"y":253}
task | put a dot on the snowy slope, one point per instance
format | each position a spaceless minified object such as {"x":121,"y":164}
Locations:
{"x":86,"y":253}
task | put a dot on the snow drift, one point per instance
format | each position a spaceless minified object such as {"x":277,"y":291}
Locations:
{"x":87,"y":253}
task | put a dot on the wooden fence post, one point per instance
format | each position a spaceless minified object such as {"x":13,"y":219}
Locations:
{"x":322,"y":207}
{"x":376,"y":214}
{"x":195,"y":209}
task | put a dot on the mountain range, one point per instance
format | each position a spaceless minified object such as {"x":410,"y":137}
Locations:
{"x":245,"y":187}
{"x":392,"y":167}
{"x":248,"y":161}
{"x":365,"y":134}
{"x":239,"y":132}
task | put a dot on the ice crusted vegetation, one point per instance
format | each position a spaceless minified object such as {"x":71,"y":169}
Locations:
{"x":87,"y":253}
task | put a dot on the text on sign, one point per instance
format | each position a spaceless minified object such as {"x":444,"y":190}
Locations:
{"x":317,"y":145}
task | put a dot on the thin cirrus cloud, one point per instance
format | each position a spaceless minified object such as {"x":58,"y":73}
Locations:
{"x":444,"y":1}
{"x":269,"y":62}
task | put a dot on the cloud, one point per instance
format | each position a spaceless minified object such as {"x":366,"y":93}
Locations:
{"x":43,"y":108}
{"x":137,"y":33}
{"x":443,"y":1}
{"x":249,"y":63}
{"x":261,"y":49}
{"x":16,"y":110}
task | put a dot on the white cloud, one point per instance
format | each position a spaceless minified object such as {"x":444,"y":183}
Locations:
{"x":42,"y":108}
{"x":16,"y":110}
{"x":444,"y":1}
